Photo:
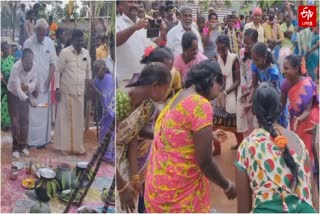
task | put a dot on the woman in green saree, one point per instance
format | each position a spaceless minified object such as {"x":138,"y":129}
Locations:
{"x":7,"y":62}
{"x":135,"y":111}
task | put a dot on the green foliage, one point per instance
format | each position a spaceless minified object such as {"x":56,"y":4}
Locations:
{"x":63,"y":181}
{"x":265,"y":4}
{"x":204,"y":5}
{"x":49,"y":190}
{"x":227,"y":3}
{"x":83,"y":11}
{"x":247,"y":7}
{"x":89,"y":176}
{"x":52,"y":186}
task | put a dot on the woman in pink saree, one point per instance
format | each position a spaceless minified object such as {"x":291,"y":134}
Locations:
{"x":303,"y":100}
{"x":181,"y":165}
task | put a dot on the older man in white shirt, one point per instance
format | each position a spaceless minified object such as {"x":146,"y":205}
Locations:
{"x":131,"y":41}
{"x":256,"y":24}
{"x":22,"y":83}
{"x":44,"y":58}
{"x":174,"y":36}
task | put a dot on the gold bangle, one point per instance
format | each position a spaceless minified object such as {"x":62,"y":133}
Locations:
{"x":135,"y":177}
{"x":124,"y":187}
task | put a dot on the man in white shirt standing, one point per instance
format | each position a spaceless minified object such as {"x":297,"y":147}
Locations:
{"x":22,"y":83}
{"x":256,"y":24}
{"x":131,"y":41}
{"x":44,"y":58}
{"x":74,"y":73}
{"x":174,"y":36}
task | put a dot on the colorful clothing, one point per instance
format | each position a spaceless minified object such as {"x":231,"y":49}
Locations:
{"x":284,"y":27}
{"x":184,"y":68}
{"x":313,"y":58}
{"x":106,"y":87}
{"x":304,"y":38}
{"x":129,"y":124}
{"x":53,"y":28}
{"x":175,"y":83}
{"x":175,"y":182}
{"x":6,"y":66}
{"x":268,"y":174}
{"x":272,"y":75}
{"x":102,"y":52}
{"x":299,"y":96}
{"x":272,"y":31}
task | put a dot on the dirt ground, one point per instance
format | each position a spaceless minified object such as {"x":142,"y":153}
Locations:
{"x":219,"y":201}
{"x":16,"y":199}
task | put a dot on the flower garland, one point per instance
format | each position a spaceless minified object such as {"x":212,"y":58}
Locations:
{"x":148,"y":51}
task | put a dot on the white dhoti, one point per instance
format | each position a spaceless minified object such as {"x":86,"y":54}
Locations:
{"x":69,"y":124}
{"x":39,"y":133}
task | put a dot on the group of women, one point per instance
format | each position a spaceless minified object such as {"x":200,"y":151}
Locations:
{"x":164,"y":156}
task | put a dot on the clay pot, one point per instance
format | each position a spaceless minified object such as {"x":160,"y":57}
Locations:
{"x":41,"y":188}
{"x":80,"y":168}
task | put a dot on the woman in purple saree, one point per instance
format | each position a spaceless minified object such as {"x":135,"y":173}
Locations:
{"x":104,"y":85}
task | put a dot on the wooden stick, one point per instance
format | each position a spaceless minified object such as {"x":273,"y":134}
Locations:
{"x":110,"y":196}
{"x":98,"y":154}
{"x":106,"y":141}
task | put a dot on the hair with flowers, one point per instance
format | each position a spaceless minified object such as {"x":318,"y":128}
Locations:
{"x":267,"y":108}
{"x":148,"y":51}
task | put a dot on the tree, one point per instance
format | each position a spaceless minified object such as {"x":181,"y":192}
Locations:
{"x":57,"y":11}
{"x":266,"y":4}
{"x":8,"y":16}
{"x":84,"y":11}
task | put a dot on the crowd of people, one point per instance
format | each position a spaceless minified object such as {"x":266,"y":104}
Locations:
{"x":180,"y":92}
{"x":183,"y":84}
{"x":44,"y":82}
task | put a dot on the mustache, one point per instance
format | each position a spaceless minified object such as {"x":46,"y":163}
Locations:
{"x":133,"y":7}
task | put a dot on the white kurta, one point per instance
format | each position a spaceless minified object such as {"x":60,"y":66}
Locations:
{"x":174,"y":39}
{"x":72,"y":69}
{"x":39,"y":132}
{"x":226,"y":69}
